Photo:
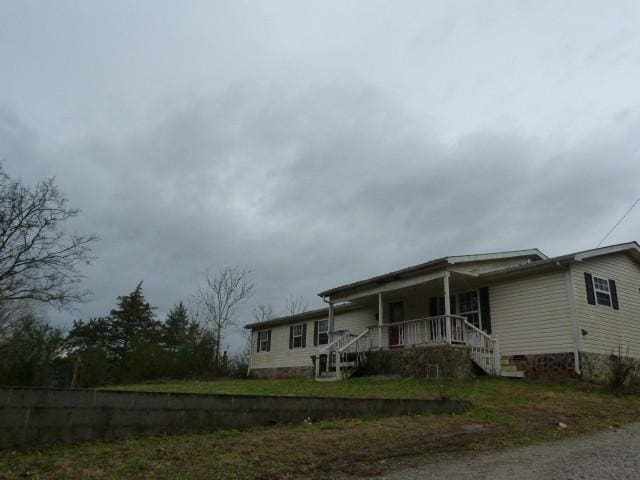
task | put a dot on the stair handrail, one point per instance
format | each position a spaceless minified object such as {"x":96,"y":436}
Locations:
{"x":354,"y":340}
{"x":330,"y":347}
{"x":487,"y":340}
{"x":341,"y":351}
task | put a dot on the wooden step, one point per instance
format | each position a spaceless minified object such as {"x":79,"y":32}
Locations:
{"x":512,"y":374}
{"x":509,"y":368}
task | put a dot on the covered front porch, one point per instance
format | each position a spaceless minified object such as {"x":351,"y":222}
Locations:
{"x":441,"y":309}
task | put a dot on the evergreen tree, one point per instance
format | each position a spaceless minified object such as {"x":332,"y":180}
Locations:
{"x":135,"y":336}
{"x":132,"y":322}
{"x":28,"y":352}
{"x":90,"y":359}
{"x":177,"y":328}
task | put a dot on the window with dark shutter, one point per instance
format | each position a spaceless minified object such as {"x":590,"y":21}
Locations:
{"x":264,"y":341}
{"x":436,"y":305}
{"x":304,"y":335}
{"x":588,"y":281}
{"x":601,"y":291}
{"x":485,"y":309}
{"x":321,"y":332}
{"x":297,"y":334}
{"x":614,"y":294}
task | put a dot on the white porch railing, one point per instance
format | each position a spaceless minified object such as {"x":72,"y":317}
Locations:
{"x":349,"y":350}
{"x":337,"y":340}
{"x":485,"y":350}
{"x":439,"y":330}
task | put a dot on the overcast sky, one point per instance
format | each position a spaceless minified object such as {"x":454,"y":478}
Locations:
{"x":317,"y":143}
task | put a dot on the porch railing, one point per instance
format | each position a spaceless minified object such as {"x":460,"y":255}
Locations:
{"x":485,"y":350}
{"x":337,"y":340}
{"x":441,"y":329}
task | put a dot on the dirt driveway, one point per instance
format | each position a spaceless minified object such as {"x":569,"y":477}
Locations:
{"x":607,"y":455}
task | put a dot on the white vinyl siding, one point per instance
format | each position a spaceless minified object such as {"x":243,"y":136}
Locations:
{"x":281,"y":355}
{"x":530,"y":315}
{"x":607,"y":328}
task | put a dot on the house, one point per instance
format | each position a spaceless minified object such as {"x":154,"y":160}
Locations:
{"x":515,"y":313}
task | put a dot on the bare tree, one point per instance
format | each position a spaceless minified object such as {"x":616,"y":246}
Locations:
{"x":218,"y":298}
{"x":262,"y":313}
{"x":295,"y":305}
{"x":39,"y":260}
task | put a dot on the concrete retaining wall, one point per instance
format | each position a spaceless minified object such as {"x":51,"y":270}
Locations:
{"x":39,"y":415}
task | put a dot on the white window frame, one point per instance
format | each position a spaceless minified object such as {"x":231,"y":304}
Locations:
{"x":464,"y":313}
{"x":265,"y":340}
{"x":326,"y":330}
{"x":298,"y":336}
{"x":597,"y":289}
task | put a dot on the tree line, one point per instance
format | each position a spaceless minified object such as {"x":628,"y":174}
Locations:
{"x":41,"y":266}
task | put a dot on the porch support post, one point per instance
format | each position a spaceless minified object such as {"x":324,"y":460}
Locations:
{"x":380,"y":311}
{"x":447,"y":305}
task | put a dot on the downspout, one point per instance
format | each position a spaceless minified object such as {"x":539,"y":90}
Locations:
{"x":573,"y":316}
{"x":250,"y":352}
{"x":331,"y":317}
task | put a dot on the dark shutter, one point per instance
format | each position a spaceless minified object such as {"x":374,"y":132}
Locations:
{"x":258,"y":343}
{"x":614,"y":294}
{"x":290,"y":338}
{"x":315,"y":333}
{"x":433,"y":306}
{"x":269,"y":341}
{"x":452,"y":304}
{"x":588,"y":281}
{"x":485,"y":309}
{"x":304,"y":335}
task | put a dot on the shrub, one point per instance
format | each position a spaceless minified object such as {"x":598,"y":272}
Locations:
{"x":624,"y":371}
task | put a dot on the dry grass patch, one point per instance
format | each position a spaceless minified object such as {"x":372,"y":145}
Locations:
{"x":504,"y":413}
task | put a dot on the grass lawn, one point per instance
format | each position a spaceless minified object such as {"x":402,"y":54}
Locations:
{"x":505,"y":413}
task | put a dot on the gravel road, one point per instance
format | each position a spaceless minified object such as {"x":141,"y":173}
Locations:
{"x":610,"y":454}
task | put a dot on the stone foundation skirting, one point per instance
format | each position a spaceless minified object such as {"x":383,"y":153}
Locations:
{"x":546,"y":365}
{"x":282,"y":372}
{"x":597,"y":367}
{"x":441,"y":361}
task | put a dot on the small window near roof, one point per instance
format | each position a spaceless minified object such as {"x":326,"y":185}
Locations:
{"x":602,"y":291}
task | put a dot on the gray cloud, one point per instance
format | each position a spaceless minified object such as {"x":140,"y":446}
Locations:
{"x":320,"y":188}
{"x":317,"y":145}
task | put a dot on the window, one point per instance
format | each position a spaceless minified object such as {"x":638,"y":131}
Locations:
{"x":264,"y":341}
{"x":437,"y":305}
{"x":602,"y":290}
{"x":468,"y":306}
{"x":297,"y":336}
{"x":322,"y":332}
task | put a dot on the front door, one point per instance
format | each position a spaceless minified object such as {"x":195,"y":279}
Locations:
{"x":396,"y":315}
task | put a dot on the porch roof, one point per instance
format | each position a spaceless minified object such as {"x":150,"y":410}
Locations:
{"x":433,"y":265}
